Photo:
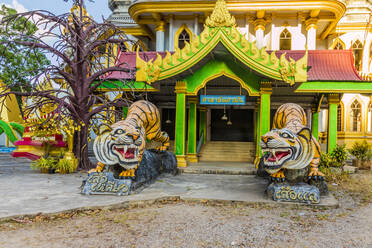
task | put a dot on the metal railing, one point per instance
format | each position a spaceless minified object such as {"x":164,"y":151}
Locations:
{"x":200,"y":143}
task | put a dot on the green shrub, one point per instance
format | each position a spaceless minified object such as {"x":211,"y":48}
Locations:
{"x":361,"y":150}
{"x":339,"y":155}
{"x":325,"y":160}
{"x":66,"y":166}
{"x":44,"y":163}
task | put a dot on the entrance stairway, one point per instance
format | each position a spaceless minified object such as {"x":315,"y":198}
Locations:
{"x":227,"y":151}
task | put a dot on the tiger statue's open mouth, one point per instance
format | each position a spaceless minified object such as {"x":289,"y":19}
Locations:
{"x":285,"y":149}
{"x":275,"y":158}
{"x":126,"y":153}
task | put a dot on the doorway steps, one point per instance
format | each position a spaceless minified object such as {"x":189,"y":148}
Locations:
{"x":227,"y":151}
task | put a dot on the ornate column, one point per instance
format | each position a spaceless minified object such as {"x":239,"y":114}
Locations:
{"x":170,"y":37}
{"x":160,"y":28}
{"x":259,"y":27}
{"x":180,"y":123}
{"x":257,"y":130}
{"x":311,"y":26}
{"x":264,"y":115}
{"x":333,"y":101}
{"x":191,"y":137}
{"x":315,"y":123}
{"x":203,"y":122}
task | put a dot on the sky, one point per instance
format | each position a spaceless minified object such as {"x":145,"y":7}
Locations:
{"x":96,"y":8}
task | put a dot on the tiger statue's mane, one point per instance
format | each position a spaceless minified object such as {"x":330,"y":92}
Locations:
{"x":123,"y":143}
{"x":290,"y":144}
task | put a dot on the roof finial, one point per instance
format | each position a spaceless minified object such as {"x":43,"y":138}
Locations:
{"x":220,"y":16}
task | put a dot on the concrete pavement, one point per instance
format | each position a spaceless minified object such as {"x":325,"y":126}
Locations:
{"x":27,"y":192}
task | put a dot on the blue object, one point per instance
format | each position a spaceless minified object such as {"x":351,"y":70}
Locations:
{"x":7,"y":149}
{"x":222,"y":99}
{"x":301,"y":192}
{"x":105,"y":183}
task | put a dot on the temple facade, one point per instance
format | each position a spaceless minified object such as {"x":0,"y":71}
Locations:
{"x":219,"y":70}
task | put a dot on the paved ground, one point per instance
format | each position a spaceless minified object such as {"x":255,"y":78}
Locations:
{"x":24,"y":191}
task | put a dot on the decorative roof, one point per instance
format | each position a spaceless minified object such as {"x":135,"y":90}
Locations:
{"x":221,"y":28}
{"x":324,"y":65}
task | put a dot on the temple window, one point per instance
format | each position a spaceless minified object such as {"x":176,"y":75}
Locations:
{"x":358,"y":52}
{"x":123,"y":47}
{"x":369,"y":117}
{"x":339,"y":118}
{"x":338,"y":46}
{"x":139,"y":44}
{"x":182,"y":36}
{"x":285,"y":40}
{"x":355,"y":116}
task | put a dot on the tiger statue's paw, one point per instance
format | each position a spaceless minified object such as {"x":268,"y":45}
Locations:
{"x":164,"y":147}
{"x":99,"y":168}
{"x":278,"y":176}
{"x":315,"y":174}
{"x":127,"y":174}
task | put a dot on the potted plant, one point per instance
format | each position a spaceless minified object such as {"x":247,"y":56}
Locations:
{"x":45,"y":165}
{"x":362,"y":153}
{"x":65,"y":166}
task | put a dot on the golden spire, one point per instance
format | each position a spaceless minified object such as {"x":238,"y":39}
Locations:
{"x":220,"y":16}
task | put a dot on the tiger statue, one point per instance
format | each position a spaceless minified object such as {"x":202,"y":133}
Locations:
{"x":290,"y":144}
{"x":124,"y":142}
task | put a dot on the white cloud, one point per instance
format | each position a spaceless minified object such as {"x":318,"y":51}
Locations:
{"x":19,"y":7}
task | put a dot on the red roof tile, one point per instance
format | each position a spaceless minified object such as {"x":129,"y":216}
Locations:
{"x":324,"y":65}
{"x":327,"y":65}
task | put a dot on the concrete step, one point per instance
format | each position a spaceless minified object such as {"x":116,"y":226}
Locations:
{"x":226,"y":168}
{"x":227,"y":151}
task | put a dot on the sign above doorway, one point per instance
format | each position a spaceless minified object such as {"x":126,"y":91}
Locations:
{"x":222,"y":99}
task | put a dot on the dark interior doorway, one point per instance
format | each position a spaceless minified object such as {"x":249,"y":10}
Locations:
{"x":242,"y":128}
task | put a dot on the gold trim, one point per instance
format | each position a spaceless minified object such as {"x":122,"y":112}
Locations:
{"x":192,"y":99}
{"x":192,"y":158}
{"x":180,"y":87}
{"x":181,"y":161}
{"x":220,"y":16}
{"x":265,"y":88}
{"x":336,"y":7}
{"x":178,"y":32}
{"x":139,"y":43}
{"x":160,"y":26}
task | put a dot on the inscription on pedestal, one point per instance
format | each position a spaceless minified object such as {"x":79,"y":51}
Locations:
{"x":303,"y":193}
{"x":105,"y":183}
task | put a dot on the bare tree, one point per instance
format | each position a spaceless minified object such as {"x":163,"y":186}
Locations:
{"x":80,"y":48}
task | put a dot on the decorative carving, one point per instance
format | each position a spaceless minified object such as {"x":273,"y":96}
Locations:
{"x":220,"y":16}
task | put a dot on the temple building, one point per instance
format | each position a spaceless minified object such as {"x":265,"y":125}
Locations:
{"x":219,"y":70}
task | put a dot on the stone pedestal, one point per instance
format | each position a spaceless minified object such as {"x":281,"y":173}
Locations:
{"x":301,"y":192}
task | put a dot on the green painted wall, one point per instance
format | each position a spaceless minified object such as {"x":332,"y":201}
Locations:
{"x":332,"y":126}
{"x":334,"y":87}
{"x":214,"y":68}
{"x":180,"y":124}
{"x":191,"y":145}
{"x":315,"y":125}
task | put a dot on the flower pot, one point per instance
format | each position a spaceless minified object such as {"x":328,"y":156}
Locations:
{"x":357,"y":163}
{"x":366,"y":165}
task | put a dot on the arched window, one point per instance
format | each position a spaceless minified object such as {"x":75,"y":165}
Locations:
{"x":358,"y":52}
{"x":338,"y":45}
{"x":123,"y":47}
{"x":182,"y":36}
{"x":140,"y":44}
{"x":355,"y":116}
{"x":369,"y":118}
{"x":285,"y":40}
{"x":340,"y":115}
